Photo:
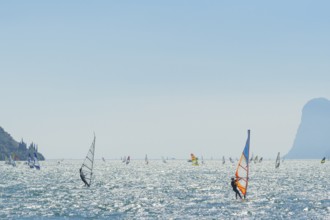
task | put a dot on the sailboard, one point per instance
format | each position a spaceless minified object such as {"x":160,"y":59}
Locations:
{"x":194,"y":160}
{"x":36,"y":162}
{"x":278,"y":160}
{"x":202,"y":160}
{"x":242,"y":170}
{"x":323,"y":160}
{"x":30,"y":162}
{"x":103,"y":159}
{"x":256,"y":159}
{"x":86,"y":169}
{"x":223,"y":160}
{"x":260,"y":160}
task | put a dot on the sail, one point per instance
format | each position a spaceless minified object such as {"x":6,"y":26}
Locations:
{"x":278,"y":160}
{"x":202,"y":160}
{"x":260,"y":160}
{"x":194,"y":160}
{"x":256,"y":159}
{"x":231,"y":160}
{"x":223,"y":160}
{"x":163,"y":159}
{"x":323,"y":160}
{"x":242,"y":171}
{"x":30,"y":161}
{"x":146,"y":159}
{"x":128,"y":160}
{"x":36,"y":162}
{"x":86,"y":170}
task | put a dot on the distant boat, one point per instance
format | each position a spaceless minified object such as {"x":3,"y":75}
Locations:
{"x":256,"y":159}
{"x":103,"y":159}
{"x":278,"y":160}
{"x":36,"y":162}
{"x":30,"y":162}
{"x":323,"y":160}
{"x":202,"y":159}
{"x":86,"y":169}
{"x":146,"y":160}
{"x":194,"y":160}
{"x":11,"y":161}
{"x":242,"y":170}
{"x":223,"y":160}
{"x":128,"y":160}
{"x":260,"y":160}
{"x":231,"y":160}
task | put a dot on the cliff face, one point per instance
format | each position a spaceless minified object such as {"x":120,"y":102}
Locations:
{"x":313,"y":136}
{"x":18,"y":151}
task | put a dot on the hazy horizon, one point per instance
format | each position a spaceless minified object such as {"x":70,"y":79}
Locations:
{"x":161,"y":78}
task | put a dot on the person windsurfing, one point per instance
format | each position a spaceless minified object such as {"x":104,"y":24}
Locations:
{"x":234,"y":185}
{"x":82,"y":177}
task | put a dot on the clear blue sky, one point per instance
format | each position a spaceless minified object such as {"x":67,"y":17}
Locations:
{"x":163,"y":78}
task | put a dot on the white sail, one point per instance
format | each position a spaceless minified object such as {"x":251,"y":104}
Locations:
{"x":146,"y":159}
{"x":86,"y":170}
{"x":36,"y":162}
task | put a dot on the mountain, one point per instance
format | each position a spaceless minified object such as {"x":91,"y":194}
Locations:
{"x":18,"y":150}
{"x":313,"y":136}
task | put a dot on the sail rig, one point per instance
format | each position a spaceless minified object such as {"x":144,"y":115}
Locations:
{"x":128,"y":160}
{"x":278,"y":160}
{"x":146,"y":159}
{"x":194,"y":160}
{"x":36,"y":162}
{"x":86,"y":170}
{"x":323,"y":160}
{"x":242,"y":171}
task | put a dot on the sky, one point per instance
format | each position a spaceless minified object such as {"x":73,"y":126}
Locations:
{"x":163,"y":78}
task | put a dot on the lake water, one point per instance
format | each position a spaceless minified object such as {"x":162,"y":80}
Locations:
{"x":175,"y":190}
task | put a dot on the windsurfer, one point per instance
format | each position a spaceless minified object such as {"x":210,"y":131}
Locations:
{"x":234,"y":185}
{"x":82,"y":176}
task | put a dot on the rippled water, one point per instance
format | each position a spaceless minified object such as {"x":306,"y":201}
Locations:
{"x":176,"y":190}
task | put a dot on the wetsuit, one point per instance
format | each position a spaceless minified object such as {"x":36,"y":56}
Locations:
{"x":82,"y":177}
{"x":234,"y":185}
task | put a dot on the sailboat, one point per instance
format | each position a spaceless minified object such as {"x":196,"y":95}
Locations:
{"x":231,"y":160}
{"x":278,"y":160}
{"x":194,"y":160}
{"x":202,"y":159}
{"x":223,"y":160}
{"x":146,"y":160}
{"x":323,"y":160}
{"x":30,"y":162}
{"x":256,"y":159}
{"x":103,"y":159}
{"x":260,"y":160}
{"x":86,"y":169}
{"x":242,"y":170}
{"x":11,"y":161}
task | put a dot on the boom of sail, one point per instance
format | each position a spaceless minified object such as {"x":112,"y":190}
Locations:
{"x":242,"y":171}
{"x":86,"y":170}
